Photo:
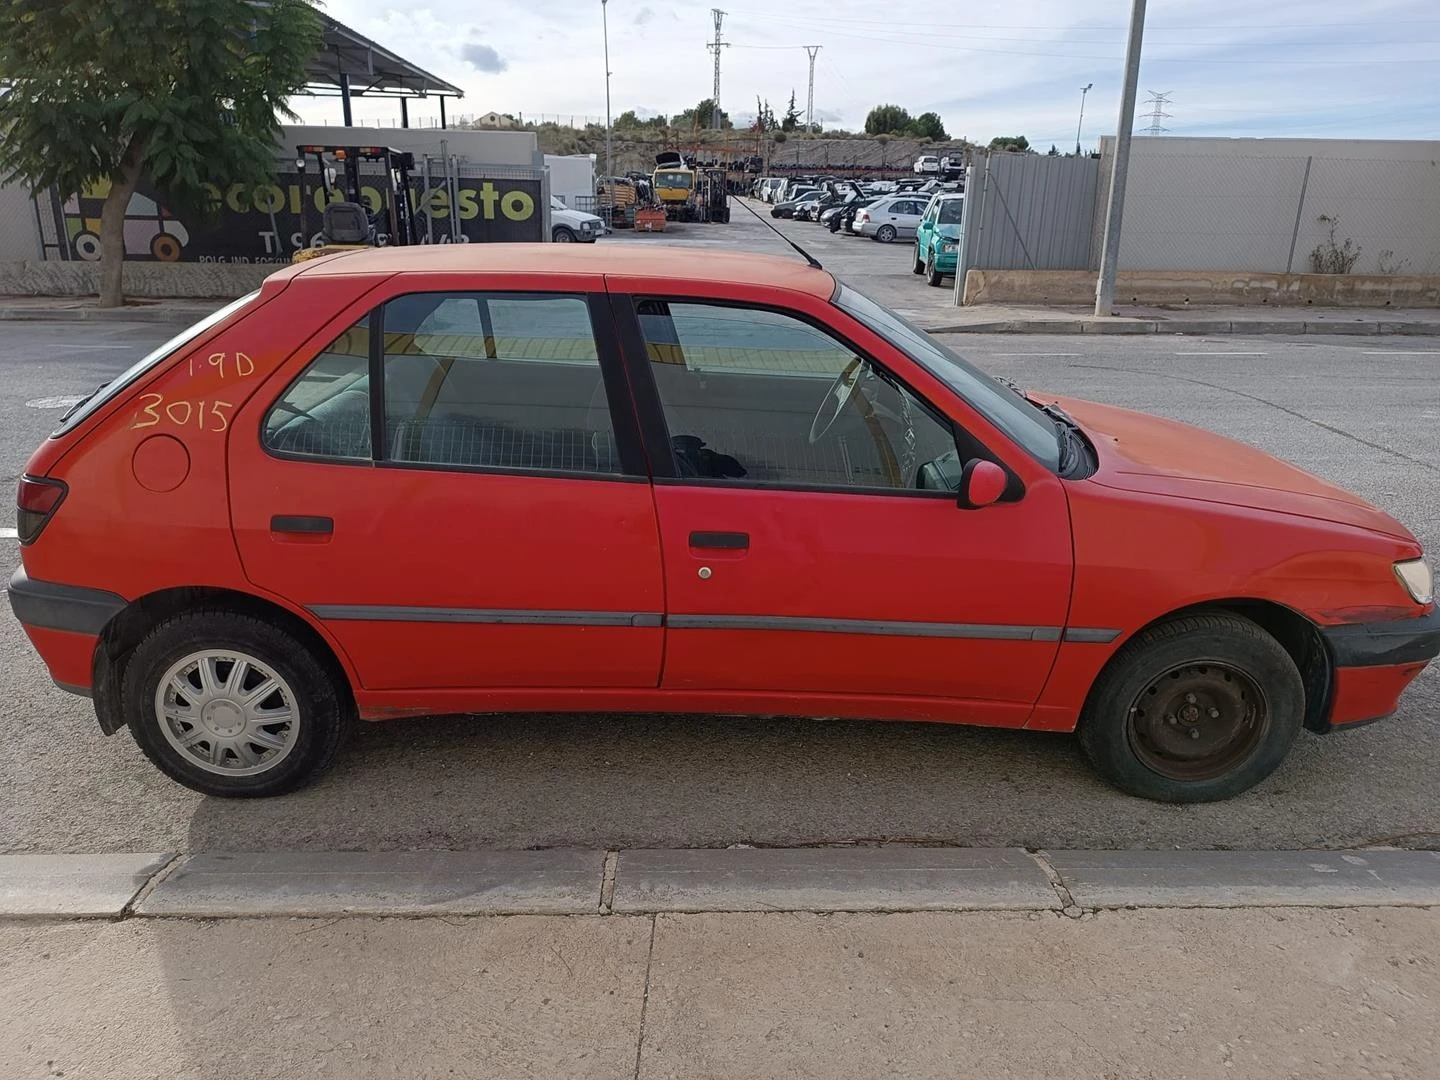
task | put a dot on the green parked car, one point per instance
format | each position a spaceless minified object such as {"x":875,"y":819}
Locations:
{"x":938,"y":237}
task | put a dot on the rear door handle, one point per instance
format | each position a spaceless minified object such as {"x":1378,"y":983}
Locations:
{"x":300,"y":523}
{"x":723,"y":541}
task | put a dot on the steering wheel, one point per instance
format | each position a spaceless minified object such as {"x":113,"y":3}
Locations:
{"x":836,"y":398}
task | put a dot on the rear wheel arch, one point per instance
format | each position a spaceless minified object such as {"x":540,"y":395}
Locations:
{"x":127,"y":629}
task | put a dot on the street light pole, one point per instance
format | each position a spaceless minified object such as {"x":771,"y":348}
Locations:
{"x":1083,"y":91}
{"x":1120,"y":166}
{"x":609,"y":165}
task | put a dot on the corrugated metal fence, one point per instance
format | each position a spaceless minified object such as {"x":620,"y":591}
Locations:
{"x":1029,"y":212}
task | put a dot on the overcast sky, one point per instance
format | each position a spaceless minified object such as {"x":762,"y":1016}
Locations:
{"x":1320,"y":68}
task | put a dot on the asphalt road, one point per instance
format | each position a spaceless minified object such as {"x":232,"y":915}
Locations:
{"x":1361,"y":411}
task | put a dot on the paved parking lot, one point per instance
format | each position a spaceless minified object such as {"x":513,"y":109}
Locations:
{"x":1360,"y":411}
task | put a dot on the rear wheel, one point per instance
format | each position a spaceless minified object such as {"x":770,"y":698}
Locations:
{"x":1193,"y":710}
{"x":230,"y":705}
{"x":919,"y":267}
{"x":886,"y":234}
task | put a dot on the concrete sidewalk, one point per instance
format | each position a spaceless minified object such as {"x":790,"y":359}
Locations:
{"x":939,"y":316}
{"x":178,"y":313}
{"x":577,"y":882}
{"x":1174,"y":994}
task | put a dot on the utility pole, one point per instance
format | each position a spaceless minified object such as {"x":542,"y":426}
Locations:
{"x":1120,"y":166}
{"x":609,"y":159}
{"x":1157,"y":112}
{"x":810,"y":97}
{"x":1083,"y":91}
{"x":715,"y":47}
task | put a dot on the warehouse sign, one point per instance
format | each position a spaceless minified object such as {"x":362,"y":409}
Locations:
{"x":264,"y":223}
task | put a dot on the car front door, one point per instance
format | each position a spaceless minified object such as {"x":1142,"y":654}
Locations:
{"x":925,"y":234}
{"x":441,"y":483}
{"x":802,"y":554}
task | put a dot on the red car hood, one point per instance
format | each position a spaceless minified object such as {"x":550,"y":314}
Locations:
{"x":1140,"y":452}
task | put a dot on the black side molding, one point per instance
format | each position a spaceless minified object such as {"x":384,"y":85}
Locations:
{"x":1399,"y":641}
{"x":62,"y":607}
{"x":301,"y":523}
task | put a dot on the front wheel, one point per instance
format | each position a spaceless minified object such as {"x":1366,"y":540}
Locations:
{"x":1196,"y":709}
{"x":886,"y":234}
{"x":562,"y":235}
{"x":230,"y":705}
{"x":932,"y":275}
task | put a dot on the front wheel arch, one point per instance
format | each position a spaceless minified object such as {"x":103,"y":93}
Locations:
{"x":127,"y":629}
{"x":1298,"y":636}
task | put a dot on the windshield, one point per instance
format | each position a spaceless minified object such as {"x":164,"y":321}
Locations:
{"x":1004,"y":408}
{"x":673,"y":180}
{"x":556,"y":203}
{"x":150,"y":360}
{"x":950,"y":211}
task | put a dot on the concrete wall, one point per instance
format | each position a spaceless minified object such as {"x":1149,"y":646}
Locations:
{"x":1254,"y":204}
{"x":18,"y":236}
{"x":1186,"y":287}
{"x":150,"y":279}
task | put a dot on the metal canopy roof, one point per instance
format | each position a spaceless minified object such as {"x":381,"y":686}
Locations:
{"x":372,"y":69}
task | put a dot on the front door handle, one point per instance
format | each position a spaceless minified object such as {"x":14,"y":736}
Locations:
{"x":722,"y":541}
{"x":300,"y":523}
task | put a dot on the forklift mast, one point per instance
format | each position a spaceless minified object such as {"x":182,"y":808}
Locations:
{"x":395,"y":209}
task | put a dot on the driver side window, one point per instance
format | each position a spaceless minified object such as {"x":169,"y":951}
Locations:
{"x":760,"y":397}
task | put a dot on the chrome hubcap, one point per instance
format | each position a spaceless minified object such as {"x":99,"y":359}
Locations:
{"x":227,"y":712}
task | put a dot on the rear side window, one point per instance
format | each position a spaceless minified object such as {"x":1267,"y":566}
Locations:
{"x":481,"y":380}
{"x":496,"y":380}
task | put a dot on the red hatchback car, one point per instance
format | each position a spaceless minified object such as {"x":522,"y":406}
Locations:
{"x":512,"y":478}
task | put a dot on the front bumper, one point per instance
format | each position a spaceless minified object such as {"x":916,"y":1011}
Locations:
{"x":945,"y":261}
{"x":1374,"y":663}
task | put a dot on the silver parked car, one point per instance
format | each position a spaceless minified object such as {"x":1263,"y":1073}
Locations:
{"x":892,"y":218}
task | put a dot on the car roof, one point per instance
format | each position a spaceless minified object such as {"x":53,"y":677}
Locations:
{"x":614,"y":258}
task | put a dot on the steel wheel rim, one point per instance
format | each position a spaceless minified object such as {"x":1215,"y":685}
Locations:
{"x":1198,"y":721}
{"x":228,"y":713}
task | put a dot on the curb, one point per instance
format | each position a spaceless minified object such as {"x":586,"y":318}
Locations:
{"x":1254,"y":327}
{"x":38,"y":313}
{"x":888,"y":878}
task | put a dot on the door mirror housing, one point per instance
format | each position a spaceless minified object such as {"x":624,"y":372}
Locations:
{"x":982,"y":483}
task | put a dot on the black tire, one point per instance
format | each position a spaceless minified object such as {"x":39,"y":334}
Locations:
{"x":933,"y":277}
{"x":886,"y":234}
{"x":1238,"y":672}
{"x":919,"y":267}
{"x":322,"y":708}
{"x":561,"y":234}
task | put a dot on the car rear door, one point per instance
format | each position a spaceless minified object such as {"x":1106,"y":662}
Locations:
{"x":445,"y":483}
{"x":815,"y":566}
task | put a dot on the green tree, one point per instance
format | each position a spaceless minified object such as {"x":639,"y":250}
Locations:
{"x":1010,"y":142}
{"x":791,"y":120}
{"x":188,"y":93}
{"x":627,"y":121}
{"x":887,"y":120}
{"x":702,"y":115}
{"x":928,"y":126}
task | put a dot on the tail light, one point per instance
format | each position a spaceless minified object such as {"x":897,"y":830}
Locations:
{"x":864,"y":217}
{"x":35,"y":504}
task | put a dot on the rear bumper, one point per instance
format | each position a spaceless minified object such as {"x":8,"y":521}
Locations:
{"x":63,"y":622}
{"x":1374,"y":663}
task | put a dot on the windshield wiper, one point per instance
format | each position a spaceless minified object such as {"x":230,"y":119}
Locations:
{"x":1067,"y":431}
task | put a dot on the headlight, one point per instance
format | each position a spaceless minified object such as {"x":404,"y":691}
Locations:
{"x":947,"y":245}
{"x":1419,"y":581}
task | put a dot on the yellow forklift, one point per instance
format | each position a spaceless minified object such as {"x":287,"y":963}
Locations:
{"x":346,"y":222}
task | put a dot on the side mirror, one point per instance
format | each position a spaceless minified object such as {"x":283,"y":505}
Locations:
{"x":981,"y":484}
